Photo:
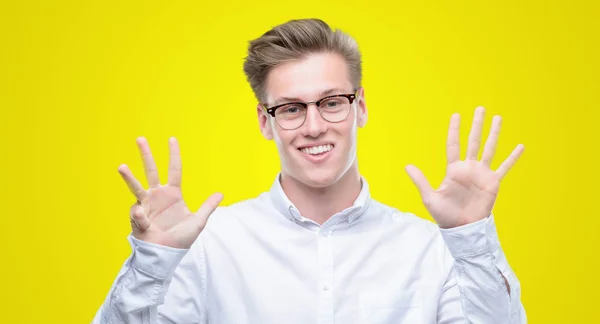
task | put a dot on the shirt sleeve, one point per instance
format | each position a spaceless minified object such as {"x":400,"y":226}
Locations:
{"x":475,"y":291}
{"x":153,"y":284}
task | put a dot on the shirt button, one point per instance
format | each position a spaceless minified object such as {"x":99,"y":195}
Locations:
{"x":294,"y":213}
{"x":326,"y":287}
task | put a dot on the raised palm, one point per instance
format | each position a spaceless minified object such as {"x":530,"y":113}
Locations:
{"x":160,"y":215}
{"x":469,"y":190}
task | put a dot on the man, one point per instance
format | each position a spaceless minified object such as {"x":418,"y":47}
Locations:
{"x":316,"y":248}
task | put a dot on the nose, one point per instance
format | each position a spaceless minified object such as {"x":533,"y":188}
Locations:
{"x":314,"y":125}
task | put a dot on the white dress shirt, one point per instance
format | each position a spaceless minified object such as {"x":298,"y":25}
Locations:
{"x":260,"y":261}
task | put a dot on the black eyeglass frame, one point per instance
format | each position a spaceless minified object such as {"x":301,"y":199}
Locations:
{"x":349,"y":96}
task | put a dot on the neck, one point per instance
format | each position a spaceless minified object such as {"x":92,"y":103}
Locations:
{"x":319,"y":204}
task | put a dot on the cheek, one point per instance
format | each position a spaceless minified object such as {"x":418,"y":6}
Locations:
{"x":282,"y":140}
{"x":349,"y":140}
{"x":348,"y":132}
{"x":275,"y":133}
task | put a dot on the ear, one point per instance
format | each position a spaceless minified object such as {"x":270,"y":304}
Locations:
{"x":362,"y":108}
{"x":263,"y":122}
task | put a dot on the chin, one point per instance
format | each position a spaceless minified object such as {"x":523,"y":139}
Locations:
{"x":316,"y":175}
{"x":319,"y":178}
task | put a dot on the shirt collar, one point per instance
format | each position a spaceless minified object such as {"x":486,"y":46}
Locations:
{"x":283,"y":204}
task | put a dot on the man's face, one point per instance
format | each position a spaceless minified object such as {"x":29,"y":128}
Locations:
{"x":310,"y":79}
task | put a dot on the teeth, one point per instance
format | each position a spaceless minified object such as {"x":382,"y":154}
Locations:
{"x":317,"y":149}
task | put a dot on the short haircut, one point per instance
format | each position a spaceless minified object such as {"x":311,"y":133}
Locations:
{"x":295,"y":40}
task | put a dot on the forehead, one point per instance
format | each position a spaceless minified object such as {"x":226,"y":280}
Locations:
{"x":306,"y":78}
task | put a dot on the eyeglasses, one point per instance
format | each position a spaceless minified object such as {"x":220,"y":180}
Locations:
{"x":292,"y":115}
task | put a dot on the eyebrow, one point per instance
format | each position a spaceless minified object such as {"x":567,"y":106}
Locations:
{"x":325,"y":93}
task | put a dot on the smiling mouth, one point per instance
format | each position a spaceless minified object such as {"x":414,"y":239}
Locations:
{"x":317,"y":150}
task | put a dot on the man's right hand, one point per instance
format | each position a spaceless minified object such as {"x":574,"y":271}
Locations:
{"x":160,"y":215}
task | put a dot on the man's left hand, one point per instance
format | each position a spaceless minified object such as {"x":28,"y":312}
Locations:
{"x":469,"y":190}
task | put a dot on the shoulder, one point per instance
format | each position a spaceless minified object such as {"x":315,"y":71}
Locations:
{"x":408,"y":220}
{"x":232,"y":215}
{"x":406,"y":229}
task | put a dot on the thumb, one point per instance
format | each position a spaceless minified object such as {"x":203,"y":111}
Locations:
{"x":419,"y":180}
{"x":207,"y":208}
{"x":138,"y":218}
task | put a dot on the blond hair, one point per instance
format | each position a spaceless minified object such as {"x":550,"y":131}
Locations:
{"x":295,"y":40}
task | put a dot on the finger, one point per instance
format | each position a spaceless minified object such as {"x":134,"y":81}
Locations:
{"x":174,"y":163}
{"x":207,"y":208}
{"x":149,"y":165}
{"x":420,"y":181}
{"x":490,"y":144}
{"x":134,"y":186}
{"x":138,"y":217}
{"x":453,"y":142}
{"x":510,"y":161}
{"x":475,"y":134}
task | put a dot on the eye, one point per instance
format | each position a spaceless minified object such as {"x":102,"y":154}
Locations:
{"x":332,"y":103}
{"x":290,"y":110}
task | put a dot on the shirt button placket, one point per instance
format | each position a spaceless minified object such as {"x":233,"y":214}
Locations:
{"x":326,"y":288}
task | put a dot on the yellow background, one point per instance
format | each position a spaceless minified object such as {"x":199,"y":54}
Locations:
{"x":80,"y":80}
